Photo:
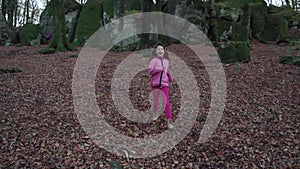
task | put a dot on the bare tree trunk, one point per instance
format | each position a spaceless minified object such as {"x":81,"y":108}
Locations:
{"x":288,"y":3}
{"x":16,"y":13}
{"x":10,"y":12}
{"x":212,"y":23}
{"x":294,"y":4}
{"x":24,"y":14}
{"x":172,"y":6}
{"x":161,"y":26}
{"x":4,"y":4}
{"x":34,"y":8}
{"x":27,"y":10}
{"x":144,"y":43}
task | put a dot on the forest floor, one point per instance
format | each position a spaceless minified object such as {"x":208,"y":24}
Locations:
{"x":40,"y":129}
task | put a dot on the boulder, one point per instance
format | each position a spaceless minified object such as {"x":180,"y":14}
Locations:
{"x":258,"y":17}
{"x":8,"y":35}
{"x":89,"y":21}
{"x":72,"y":10}
{"x":290,"y":60}
{"x":233,"y":52}
{"x":30,"y":34}
{"x":276,"y":29}
{"x":96,"y":14}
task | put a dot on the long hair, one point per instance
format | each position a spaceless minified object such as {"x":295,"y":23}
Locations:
{"x":166,"y":55}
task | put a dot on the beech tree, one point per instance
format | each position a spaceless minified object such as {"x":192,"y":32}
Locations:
{"x":59,"y":41}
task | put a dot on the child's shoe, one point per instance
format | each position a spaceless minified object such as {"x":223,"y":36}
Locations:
{"x":170,"y":124}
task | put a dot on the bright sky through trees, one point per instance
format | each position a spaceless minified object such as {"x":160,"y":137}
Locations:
{"x":274,"y":2}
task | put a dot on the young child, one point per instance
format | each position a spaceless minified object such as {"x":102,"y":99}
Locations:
{"x":161,"y":79}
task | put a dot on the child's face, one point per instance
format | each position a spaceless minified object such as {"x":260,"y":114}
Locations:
{"x":160,"y":51}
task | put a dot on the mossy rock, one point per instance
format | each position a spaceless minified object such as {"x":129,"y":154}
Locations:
{"x":286,"y":12}
{"x":233,"y":52}
{"x":18,"y":45}
{"x":28,"y":33}
{"x":195,"y":20}
{"x":108,"y":7}
{"x":230,"y":7}
{"x":222,"y":25}
{"x":131,"y":12}
{"x":294,"y":43}
{"x":46,"y":19}
{"x":240,"y":33}
{"x":277,"y":28}
{"x":227,"y":53}
{"x":136,"y":5}
{"x":47,"y":51}
{"x":258,"y":17}
{"x":216,"y":44}
{"x":88,"y":22}
{"x":10,"y":70}
{"x":74,"y":56}
{"x":243,"y":51}
{"x":70,"y":6}
{"x":290,"y":60}
{"x":115,"y":164}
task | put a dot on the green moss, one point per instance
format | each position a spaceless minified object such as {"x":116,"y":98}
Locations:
{"x":108,"y":7}
{"x":288,"y":13}
{"x":10,"y":70}
{"x":136,"y":5}
{"x":242,"y":52}
{"x":294,"y":43}
{"x":201,"y":4}
{"x":240,"y":33}
{"x":216,"y":44}
{"x":227,"y":54}
{"x":275,"y":29}
{"x":47,"y":51}
{"x":290,"y":60}
{"x":115,"y":164}
{"x":28,"y":33}
{"x":258,"y":18}
{"x":195,"y":20}
{"x":19,"y":45}
{"x":222,"y":25}
{"x":71,"y":5}
{"x":74,"y":56}
{"x":231,"y":6}
{"x":234,"y":52}
{"x":131,"y":12}
{"x":88,"y":22}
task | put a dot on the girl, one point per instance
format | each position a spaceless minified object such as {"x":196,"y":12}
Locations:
{"x":161,"y":79}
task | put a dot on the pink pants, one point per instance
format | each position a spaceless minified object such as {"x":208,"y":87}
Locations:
{"x":165,"y":93}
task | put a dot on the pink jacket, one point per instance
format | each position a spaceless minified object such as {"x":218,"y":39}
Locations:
{"x":156,"y":68}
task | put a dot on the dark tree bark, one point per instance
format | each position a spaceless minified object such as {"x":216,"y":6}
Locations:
{"x":172,"y":6}
{"x":4,"y":3}
{"x":144,"y":43}
{"x":16,"y":13}
{"x":59,"y":40}
{"x":10,"y":12}
{"x":288,"y":3}
{"x":161,"y":25}
{"x":24,"y":14}
{"x":27,"y":10}
{"x":212,"y":24}
{"x":34,"y":8}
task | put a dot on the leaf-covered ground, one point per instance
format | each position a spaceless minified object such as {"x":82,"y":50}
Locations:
{"x":259,"y":127}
